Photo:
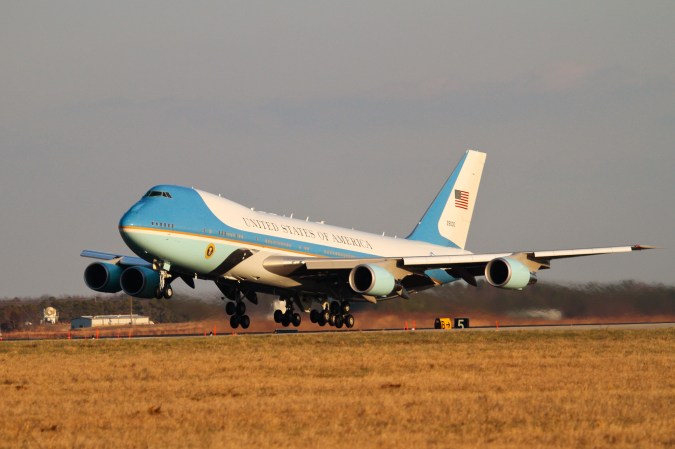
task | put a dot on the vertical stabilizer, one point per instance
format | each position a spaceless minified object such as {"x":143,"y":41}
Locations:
{"x":447,"y":220}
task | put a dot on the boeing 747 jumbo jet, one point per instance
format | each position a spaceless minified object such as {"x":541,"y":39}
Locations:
{"x":181,"y":232}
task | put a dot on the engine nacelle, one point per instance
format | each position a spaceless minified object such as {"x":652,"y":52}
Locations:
{"x":103,"y":277}
{"x":371,"y":280}
{"x":141,"y":282}
{"x":509,"y":273}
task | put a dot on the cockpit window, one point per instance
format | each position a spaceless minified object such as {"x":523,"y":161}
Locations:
{"x":158,"y":193}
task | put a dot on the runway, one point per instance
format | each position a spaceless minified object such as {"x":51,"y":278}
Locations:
{"x":576,"y":327}
{"x":7,"y":337}
{"x":534,"y":327}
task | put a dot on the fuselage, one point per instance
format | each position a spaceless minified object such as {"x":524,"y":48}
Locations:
{"x":195,"y":232}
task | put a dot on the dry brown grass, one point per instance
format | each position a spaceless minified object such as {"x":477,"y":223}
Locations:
{"x":415,"y":389}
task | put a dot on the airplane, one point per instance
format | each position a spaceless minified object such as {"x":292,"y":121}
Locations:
{"x":185,"y":233}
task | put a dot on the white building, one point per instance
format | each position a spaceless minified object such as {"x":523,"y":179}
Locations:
{"x":108,"y":320}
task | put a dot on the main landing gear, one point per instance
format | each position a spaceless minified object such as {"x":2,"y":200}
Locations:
{"x":237,"y":309}
{"x":288,"y":316}
{"x":334,"y":314}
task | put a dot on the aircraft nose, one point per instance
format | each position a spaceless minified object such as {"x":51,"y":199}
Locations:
{"x":130,"y":218}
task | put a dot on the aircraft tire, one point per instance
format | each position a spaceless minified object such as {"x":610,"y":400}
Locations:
{"x":286,"y":319}
{"x":230,"y":308}
{"x":349,"y":321}
{"x":338,"y":321}
{"x":278,"y":316}
{"x":334,"y":307}
{"x":346,"y":307}
{"x":158,"y":293}
{"x":241,"y":308}
{"x":245,"y":321}
{"x":234,"y":321}
{"x":296,"y":319}
{"x":331,"y":320}
{"x":314,"y":316}
{"x":322,"y":321}
{"x":325,"y":315}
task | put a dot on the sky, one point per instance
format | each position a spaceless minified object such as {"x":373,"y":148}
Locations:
{"x":350,"y":112}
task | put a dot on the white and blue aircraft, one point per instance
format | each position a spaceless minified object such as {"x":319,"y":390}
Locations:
{"x":182,"y":232}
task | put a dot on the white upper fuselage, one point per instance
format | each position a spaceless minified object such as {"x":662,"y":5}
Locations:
{"x":195,"y":232}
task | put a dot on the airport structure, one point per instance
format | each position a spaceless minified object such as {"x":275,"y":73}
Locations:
{"x":108,"y":320}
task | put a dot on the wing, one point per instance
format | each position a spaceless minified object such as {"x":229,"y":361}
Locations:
{"x":118,"y":258}
{"x":530,"y":258}
{"x":290,"y":265}
{"x":411,"y":272}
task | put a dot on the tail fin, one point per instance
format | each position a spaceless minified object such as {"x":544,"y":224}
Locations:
{"x":447,"y":220}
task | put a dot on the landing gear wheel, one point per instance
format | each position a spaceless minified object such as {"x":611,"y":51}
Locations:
{"x":331,"y":320}
{"x":168,"y":293}
{"x":345,"y":308}
{"x":334,"y":307}
{"x":286,"y":319}
{"x":245,"y":321}
{"x":230,"y":308}
{"x":278,"y":316}
{"x":314,"y":316}
{"x":349,"y":321}
{"x":241,"y":308}
{"x":158,"y":293}
{"x":325,"y":316}
{"x":321,"y":321}
{"x":338,"y":321}
{"x":296,"y":319}
{"x":234,"y":321}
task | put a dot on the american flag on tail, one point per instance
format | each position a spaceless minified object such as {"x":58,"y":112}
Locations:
{"x":462,"y":199}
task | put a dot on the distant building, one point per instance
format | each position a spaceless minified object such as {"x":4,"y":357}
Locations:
{"x":108,"y":320}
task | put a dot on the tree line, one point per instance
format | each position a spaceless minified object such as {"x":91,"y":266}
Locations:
{"x":630,"y":299}
{"x":627,"y":298}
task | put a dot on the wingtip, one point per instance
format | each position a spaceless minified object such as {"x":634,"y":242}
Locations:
{"x":641,"y":247}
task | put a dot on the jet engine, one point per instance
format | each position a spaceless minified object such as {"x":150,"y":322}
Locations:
{"x":140,"y":282}
{"x":103,"y":277}
{"x":371,"y":280}
{"x":509,"y":273}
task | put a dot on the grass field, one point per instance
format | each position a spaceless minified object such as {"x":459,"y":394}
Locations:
{"x":409,"y":389}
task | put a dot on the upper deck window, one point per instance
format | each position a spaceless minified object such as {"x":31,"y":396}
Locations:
{"x":158,"y":193}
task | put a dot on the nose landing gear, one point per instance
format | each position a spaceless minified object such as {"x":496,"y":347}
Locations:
{"x":164,"y":289}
